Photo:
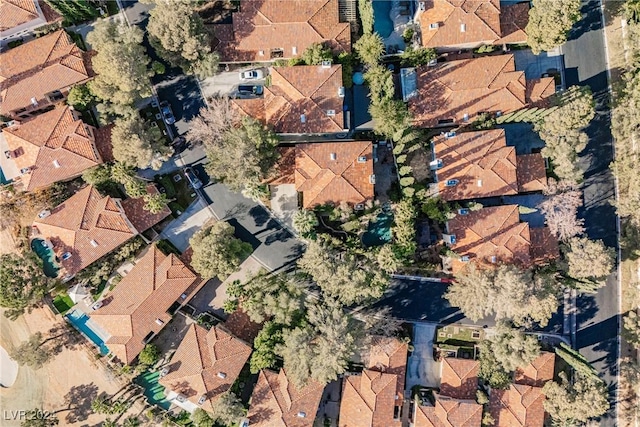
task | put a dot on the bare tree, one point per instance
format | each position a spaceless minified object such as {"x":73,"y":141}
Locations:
{"x":560,"y":209}
{"x":212,"y":122}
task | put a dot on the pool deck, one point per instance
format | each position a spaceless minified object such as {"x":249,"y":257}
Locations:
{"x":8,"y":166}
{"x":400,"y":23}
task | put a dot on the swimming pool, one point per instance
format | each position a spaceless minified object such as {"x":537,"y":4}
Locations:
{"x":3,"y":179}
{"x":379,"y":230}
{"x":152,"y":389}
{"x":382,"y":23}
{"x":48,"y":257}
{"x":83,"y":323}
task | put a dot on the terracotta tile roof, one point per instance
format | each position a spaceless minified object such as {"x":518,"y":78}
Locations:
{"x":55,"y":145}
{"x":240,"y":325}
{"x":103,"y":142}
{"x":449,"y":413}
{"x":532,"y":175}
{"x":140,"y":218}
{"x":206,"y":363}
{"x":539,"y":91}
{"x":538,"y":372}
{"x":290,"y":25}
{"x":368,"y":399}
{"x":17,"y":12}
{"x":139,"y":303}
{"x":544,"y":245}
{"x":459,"y":378}
{"x":285,"y":167}
{"x":345,"y":179}
{"x":306,"y":90}
{"x":86,"y":225}
{"x":481,"y":162}
{"x":36,"y":68}
{"x":518,"y":406}
{"x":513,"y":23}
{"x":481,"y":20}
{"x":389,"y":355}
{"x":276,"y":402}
{"x":471,"y":86}
{"x":491,"y":232}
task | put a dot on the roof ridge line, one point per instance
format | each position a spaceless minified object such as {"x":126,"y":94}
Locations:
{"x":290,"y":84}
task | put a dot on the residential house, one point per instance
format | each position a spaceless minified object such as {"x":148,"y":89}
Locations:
{"x":329,"y":172}
{"x":474,"y":165}
{"x":51,"y":147}
{"x":495,"y":235}
{"x":466,"y":24}
{"x":83,"y":229}
{"x":276,"y":402}
{"x":305,"y":99}
{"x":141,"y":218}
{"x":144,"y":302}
{"x":375,"y":397}
{"x":455,"y":405}
{"x":266,"y":30}
{"x":205,"y":365}
{"x":455,"y":92}
{"x":39,"y":73}
{"x":19,"y":18}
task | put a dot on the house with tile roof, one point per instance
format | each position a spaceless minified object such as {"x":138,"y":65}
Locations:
{"x":83,"y":229}
{"x":389,"y":355}
{"x":39,"y":73}
{"x":328,"y":172}
{"x":455,"y":92}
{"x":276,"y":402}
{"x":494,"y":235}
{"x":466,"y":24}
{"x":142,"y":219}
{"x":144,"y":302}
{"x":455,"y":405}
{"x":19,"y":18}
{"x":538,"y":372}
{"x":205,"y":365}
{"x":51,"y":147}
{"x":266,"y":30}
{"x":305,"y":99}
{"x":472,"y":165}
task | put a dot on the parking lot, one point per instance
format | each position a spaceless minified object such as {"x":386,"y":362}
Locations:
{"x":226,"y":83}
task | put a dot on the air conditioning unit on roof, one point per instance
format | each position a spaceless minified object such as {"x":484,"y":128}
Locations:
{"x":326,"y":64}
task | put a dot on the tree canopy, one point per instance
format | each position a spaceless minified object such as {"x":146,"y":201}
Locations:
{"x":512,"y":348}
{"x":316,"y":53}
{"x":137,"y":144}
{"x":370,"y":48}
{"x":227,"y":408}
{"x":216,"y":252}
{"x":22,"y":282}
{"x":550,"y":22}
{"x":570,"y":403}
{"x":560,"y":209}
{"x":589,"y":259}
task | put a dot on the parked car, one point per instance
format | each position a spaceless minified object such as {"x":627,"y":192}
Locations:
{"x":167,"y":114}
{"x":251,"y":75}
{"x":251,"y":89}
{"x":193,"y":179}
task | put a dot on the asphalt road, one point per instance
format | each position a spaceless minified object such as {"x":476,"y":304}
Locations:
{"x":597,"y":319}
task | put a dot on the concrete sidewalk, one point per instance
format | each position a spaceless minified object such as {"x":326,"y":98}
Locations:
{"x":180,"y":230}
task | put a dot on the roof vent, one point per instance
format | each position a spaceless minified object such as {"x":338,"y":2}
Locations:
{"x":465,"y":117}
{"x":56,"y":164}
{"x":449,"y":135}
{"x":331,"y":113}
{"x":164,"y":371}
{"x":333,"y":156}
{"x":94,"y":243}
{"x":341,"y":91}
{"x":44,"y":213}
{"x":326,"y":64}
{"x":434,"y":26}
{"x":494,"y":259}
{"x":359,"y":207}
{"x":463,"y":28}
{"x":463,"y":211}
{"x":301,"y":414}
{"x":479,"y":183}
{"x":362,"y":159}
{"x":34,"y":101}
{"x":25,"y":171}
{"x":222,"y":375}
{"x":372,"y":179}
{"x":294,"y":50}
{"x":202,"y":399}
{"x":261,"y":52}
{"x":159,"y":322}
{"x":303,"y":118}
{"x":449,"y":238}
{"x":181,"y":398}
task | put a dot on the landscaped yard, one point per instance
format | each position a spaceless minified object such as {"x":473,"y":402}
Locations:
{"x":63,"y":303}
{"x":458,"y":335}
{"x":153,"y":116}
{"x":177,"y":190}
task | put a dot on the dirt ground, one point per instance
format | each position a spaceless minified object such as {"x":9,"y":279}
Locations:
{"x":67,"y":384}
{"x":7,"y":245}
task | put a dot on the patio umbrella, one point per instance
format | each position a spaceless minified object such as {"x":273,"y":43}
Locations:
{"x":78,"y":293}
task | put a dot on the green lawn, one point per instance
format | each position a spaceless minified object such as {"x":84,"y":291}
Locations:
{"x":180,"y":191}
{"x":458,"y":335}
{"x":150,"y":115}
{"x":63,"y":303}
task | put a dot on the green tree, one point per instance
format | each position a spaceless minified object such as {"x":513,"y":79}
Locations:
{"x":571,"y":403}
{"x":177,"y":33}
{"x":31,"y":352}
{"x":227,"y":409}
{"x":404,"y":232}
{"x":264,"y":354}
{"x":549,"y":23}
{"x":577,"y":361}
{"x":155,"y":203}
{"x":98,"y":176}
{"x":201,"y":418}
{"x":22,"y":282}
{"x":101,"y":405}
{"x":380,"y":82}
{"x":412,"y":57}
{"x":389,"y":259}
{"x":120,"y":64}
{"x":491,"y":370}
{"x":632,"y":11}
{"x":137,"y":144}
{"x":631,"y":328}
{"x":149,"y":355}
{"x":39,"y":418}
{"x":512,"y":348}
{"x":316,"y":53}
{"x":369,"y":48}
{"x":80,"y":97}
{"x":216,"y":252}
{"x":304,"y":221}
{"x":589,"y":259}
{"x":158,"y":68}
{"x":365,"y":10}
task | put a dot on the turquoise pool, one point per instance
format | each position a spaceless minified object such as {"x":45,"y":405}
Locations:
{"x":48,"y":257}
{"x":152,"y":389}
{"x":382,"y":23}
{"x":379,"y":230}
{"x":3,"y":180}
{"x":82,"y":322}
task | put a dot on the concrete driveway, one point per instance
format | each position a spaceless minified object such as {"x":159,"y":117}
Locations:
{"x":180,"y":230}
{"x":421,"y":368}
{"x":226,"y":82}
{"x":284,"y":202}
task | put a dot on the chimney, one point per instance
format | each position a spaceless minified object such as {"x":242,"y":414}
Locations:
{"x":463,"y":28}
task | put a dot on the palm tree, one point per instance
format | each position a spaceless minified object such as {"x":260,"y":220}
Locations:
{"x":632,"y":10}
{"x":305,"y":221}
{"x":39,"y":418}
{"x":131,"y":421}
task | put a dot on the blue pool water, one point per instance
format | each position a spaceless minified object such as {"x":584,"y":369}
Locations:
{"x":81,"y":322}
{"x":382,"y":23}
{"x":379,"y":231}
{"x":3,"y":180}
{"x":48,"y":257}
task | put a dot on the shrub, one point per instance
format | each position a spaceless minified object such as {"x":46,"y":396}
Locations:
{"x":399,"y":148}
{"x":401,"y":158}
{"x":408,"y":191}
{"x":407,"y":34}
{"x":405,"y":170}
{"x":407,"y":181}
